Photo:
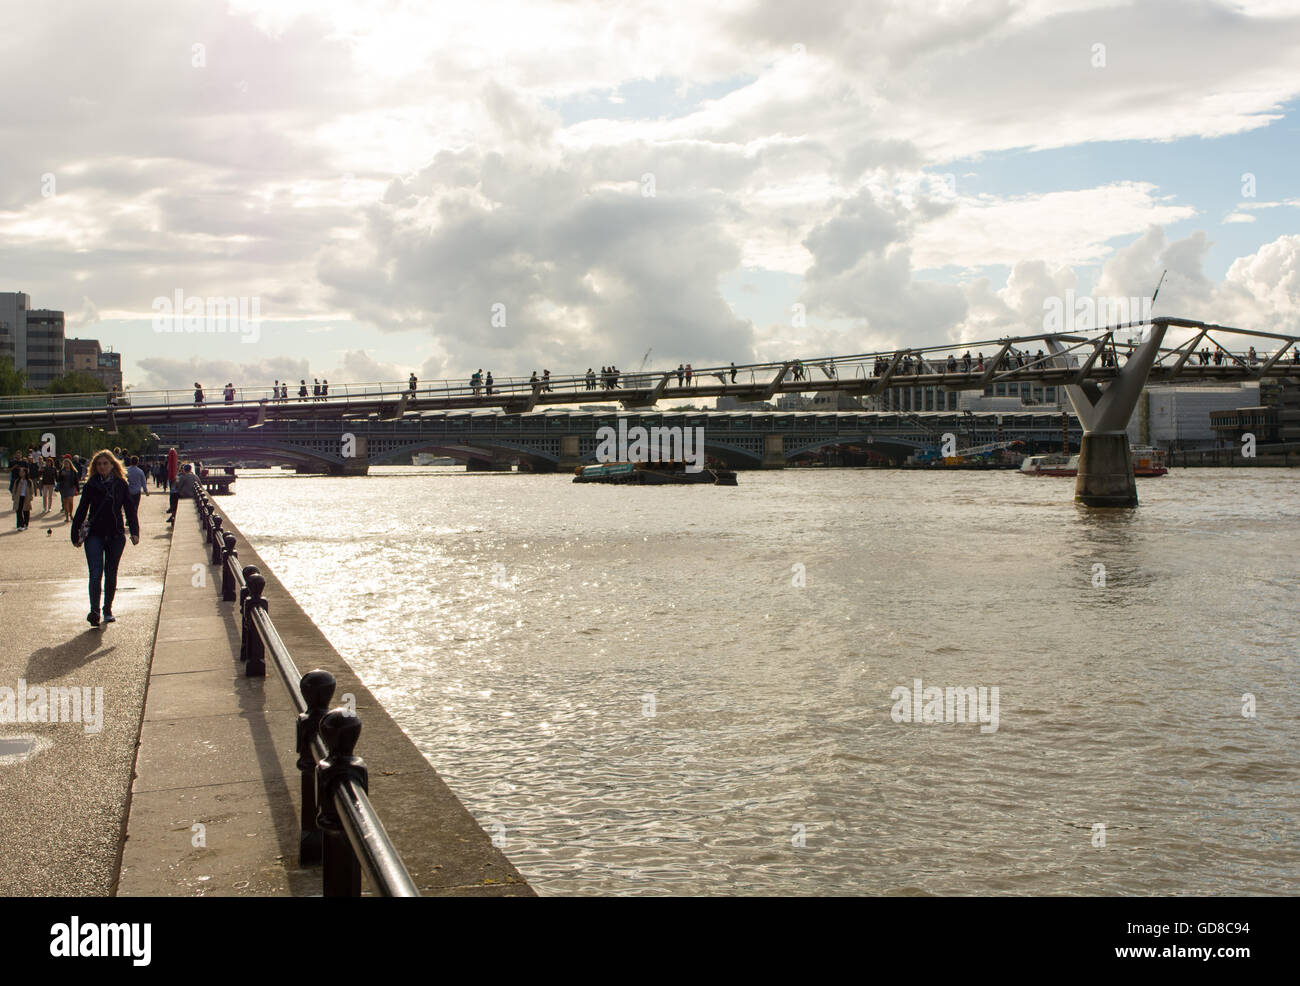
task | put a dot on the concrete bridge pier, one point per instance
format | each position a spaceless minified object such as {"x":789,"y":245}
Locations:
{"x":1105,"y":477}
{"x":773,"y":452}
{"x":569,"y":454}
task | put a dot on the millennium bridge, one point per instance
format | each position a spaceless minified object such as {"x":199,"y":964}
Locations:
{"x":1102,"y":377}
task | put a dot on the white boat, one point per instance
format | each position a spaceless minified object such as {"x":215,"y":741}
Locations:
{"x":1147,"y":461}
{"x":429,"y":459}
{"x":1055,"y":464}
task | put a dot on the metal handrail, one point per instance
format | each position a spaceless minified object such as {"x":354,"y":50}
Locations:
{"x":352,"y":837}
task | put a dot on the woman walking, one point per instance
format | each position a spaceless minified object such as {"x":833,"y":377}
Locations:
{"x":23,"y":491}
{"x":49,"y":476}
{"x":103,"y":502}
{"x":68,"y":487}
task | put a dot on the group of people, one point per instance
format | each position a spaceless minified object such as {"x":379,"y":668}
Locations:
{"x":34,"y":473}
{"x":608,"y":378}
{"x":109,"y":486}
{"x":320,"y":390}
{"x":477,"y":381}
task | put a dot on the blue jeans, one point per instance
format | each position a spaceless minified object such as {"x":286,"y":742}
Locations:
{"x":102,"y":556}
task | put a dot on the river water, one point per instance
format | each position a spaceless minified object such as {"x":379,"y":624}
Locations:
{"x":691,"y":690}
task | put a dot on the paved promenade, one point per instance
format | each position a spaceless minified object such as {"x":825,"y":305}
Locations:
{"x":65,"y":807}
{"x":210,"y":805}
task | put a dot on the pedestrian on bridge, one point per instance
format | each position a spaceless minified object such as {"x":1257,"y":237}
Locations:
{"x":315,"y":388}
{"x":230,"y":393}
{"x":97,"y":527}
{"x":689,"y":371}
{"x":733,"y":371}
{"x":487,"y":382}
{"x":411,"y":384}
{"x":324,"y":389}
{"x":302,"y":389}
{"x":681,"y":370}
{"x":198,"y":394}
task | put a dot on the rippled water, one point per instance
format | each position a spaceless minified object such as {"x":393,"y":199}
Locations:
{"x":629,"y":681}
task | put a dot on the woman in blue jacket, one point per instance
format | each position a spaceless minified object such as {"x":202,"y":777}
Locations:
{"x":104,"y":499}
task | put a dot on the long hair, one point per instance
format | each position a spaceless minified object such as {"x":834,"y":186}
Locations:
{"x":117,"y":468}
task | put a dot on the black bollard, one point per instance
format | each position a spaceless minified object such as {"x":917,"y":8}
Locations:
{"x":339,"y":730}
{"x":255,"y":660}
{"x":217,"y":540}
{"x":229,"y":556}
{"x":245,"y":613}
{"x":317,"y":689}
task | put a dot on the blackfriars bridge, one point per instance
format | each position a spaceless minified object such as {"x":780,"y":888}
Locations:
{"x":1102,"y":377}
{"x":562,"y":440}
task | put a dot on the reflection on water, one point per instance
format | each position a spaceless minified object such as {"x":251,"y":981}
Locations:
{"x":635,"y":685}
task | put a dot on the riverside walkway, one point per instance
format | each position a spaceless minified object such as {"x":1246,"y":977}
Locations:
{"x":188,"y":786}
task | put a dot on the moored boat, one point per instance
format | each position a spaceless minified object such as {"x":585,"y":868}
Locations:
{"x":652,"y":474}
{"x":1147,"y":461}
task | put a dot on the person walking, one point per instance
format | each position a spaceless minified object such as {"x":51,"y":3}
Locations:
{"x":97,"y":527}
{"x":186,"y":486}
{"x":198,"y":394}
{"x":324,"y":389}
{"x":23,"y":490}
{"x":137,"y":483}
{"x":68,"y":487}
{"x":315,"y":388}
{"x":680,"y":371}
{"x":689,"y":373}
{"x":412,"y":383}
{"x":173,"y":468}
{"x":49,"y":477}
{"x":733,"y":371}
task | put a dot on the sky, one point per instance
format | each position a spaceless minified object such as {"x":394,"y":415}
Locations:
{"x":442,"y":187}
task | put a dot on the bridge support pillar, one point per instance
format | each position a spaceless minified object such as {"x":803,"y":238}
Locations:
{"x":773,"y":452}
{"x":569,"y":455}
{"x":1105,"y":476}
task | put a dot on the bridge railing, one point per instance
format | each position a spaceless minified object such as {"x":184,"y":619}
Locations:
{"x":339,"y":827}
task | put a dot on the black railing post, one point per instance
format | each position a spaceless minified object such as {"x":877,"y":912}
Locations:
{"x":216,"y":539}
{"x":229,"y":558}
{"x":317,"y":689}
{"x":245,"y":614}
{"x":255,"y":661}
{"x":341,"y":871}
